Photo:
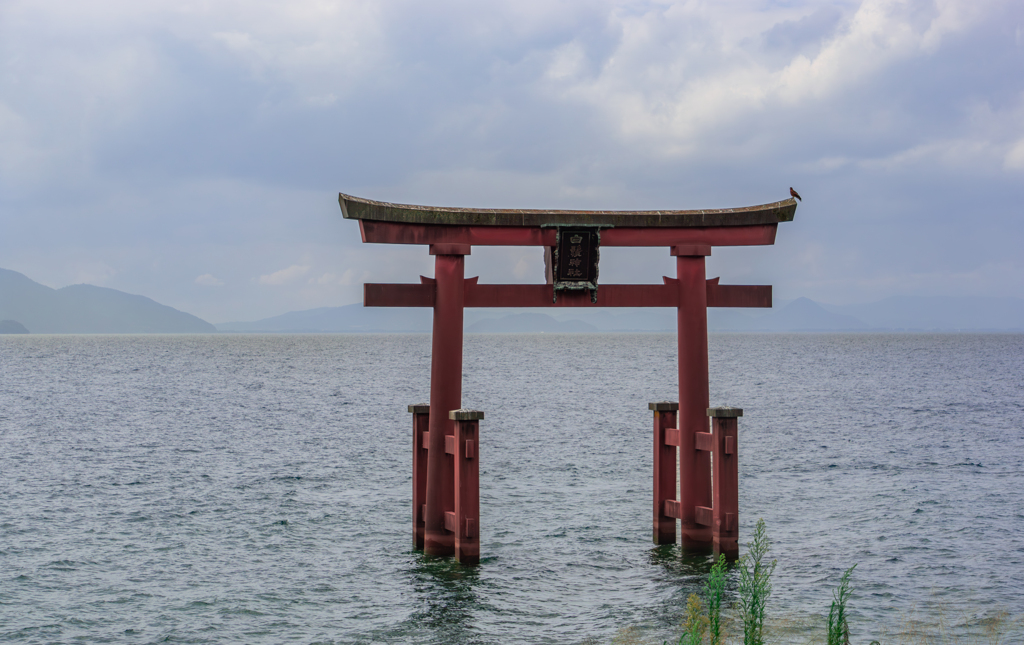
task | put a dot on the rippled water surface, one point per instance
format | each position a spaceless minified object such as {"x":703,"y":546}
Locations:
{"x":214,"y":489}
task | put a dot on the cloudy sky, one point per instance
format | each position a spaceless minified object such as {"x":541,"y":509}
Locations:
{"x":192,"y":151}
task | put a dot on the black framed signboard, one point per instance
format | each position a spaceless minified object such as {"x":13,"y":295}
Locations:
{"x":576,"y":256}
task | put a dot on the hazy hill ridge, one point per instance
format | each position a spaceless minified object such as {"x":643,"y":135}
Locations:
{"x":12,"y":327}
{"x":938,"y":312}
{"x":87,"y":309}
{"x":800,"y":315}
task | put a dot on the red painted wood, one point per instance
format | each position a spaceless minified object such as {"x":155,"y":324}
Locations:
{"x":398,"y":295}
{"x":691,"y":249}
{"x":664,"y":477}
{"x":448,"y":515}
{"x":467,"y":492}
{"x":725,"y":530}
{"x":445,"y":394}
{"x":673,"y":509}
{"x":541,"y":295}
{"x":703,"y":515}
{"x":450,"y":249}
{"x":420,"y":421}
{"x":703,"y":441}
{"x":392,"y":233}
{"x":757,"y":235}
{"x":734,"y":295}
{"x":694,"y":465}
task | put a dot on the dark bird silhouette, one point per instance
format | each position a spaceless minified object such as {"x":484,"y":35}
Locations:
{"x":795,"y":194}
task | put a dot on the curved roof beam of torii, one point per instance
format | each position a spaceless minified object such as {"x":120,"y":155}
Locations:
{"x":369,"y":210}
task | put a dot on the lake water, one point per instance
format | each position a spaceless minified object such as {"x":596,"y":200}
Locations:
{"x":214,"y":489}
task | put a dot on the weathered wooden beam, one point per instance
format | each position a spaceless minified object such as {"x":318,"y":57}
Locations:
{"x":361,"y":209}
{"x":395,"y":233}
{"x":734,"y":295}
{"x":542,"y":295}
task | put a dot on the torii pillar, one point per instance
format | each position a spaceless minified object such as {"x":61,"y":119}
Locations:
{"x":445,"y":392}
{"x":694,"y":465}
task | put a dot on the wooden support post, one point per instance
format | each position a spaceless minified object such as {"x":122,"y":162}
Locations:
{"x":725,"y":521}
{"x":465,"y":519}
{"x":694,"y":464}
{"x":445,"y":392}
{"x":666,"y":441}
{"x":420,"y":428}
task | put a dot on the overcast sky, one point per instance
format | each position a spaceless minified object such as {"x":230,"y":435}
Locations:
{"x":192,"y":151}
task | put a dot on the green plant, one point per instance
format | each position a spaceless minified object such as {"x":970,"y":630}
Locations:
{"x":695,"y":623}
{"x":838,"y":629}
{"x":628,"y":636}
{"x":714,"y":592}
{"x":755,"y":586}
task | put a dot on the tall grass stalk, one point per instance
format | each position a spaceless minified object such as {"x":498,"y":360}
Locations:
{"x":838,"y":629}
{"x":714,"y":593}
{"x":695,"y":624}
{"x":755,"y":585}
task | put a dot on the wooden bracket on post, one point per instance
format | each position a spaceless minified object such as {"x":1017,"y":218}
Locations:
{"x":703,"y":441}
{"x":703,"y":515}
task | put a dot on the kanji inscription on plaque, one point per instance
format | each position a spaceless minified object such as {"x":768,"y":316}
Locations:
{"x":577,"y":255}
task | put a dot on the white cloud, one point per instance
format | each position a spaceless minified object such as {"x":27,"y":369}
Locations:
{"x":567,"y":61}
{"x":524,"y":268}
{"x":300,"y":44}
{"x":347,"y":278}
{"x":131,"y":132}
{"x":20,"y":156}
{"x":956,"y":154}
{"x":682,"y":75}
{"x":1015,"y":157}
{"x":284,"y":276}
{"x":208,"y":280}
{"x":96,"y":273}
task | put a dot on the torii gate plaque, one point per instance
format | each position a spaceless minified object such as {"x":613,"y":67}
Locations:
{"x":446,"y":437}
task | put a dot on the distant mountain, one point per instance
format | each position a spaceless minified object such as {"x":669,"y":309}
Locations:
{"x":357,"y":318}
{"x":349,"y":318}
{"x":12,"y":327}
{"x":941,"y":313}
{"x":800,"y":315}
{"x":628,"y":320}
{"x":86,"y":309}
{"x":528,"y":322}
{"x":803,"y":314}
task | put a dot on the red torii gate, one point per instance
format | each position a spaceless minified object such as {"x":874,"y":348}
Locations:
{"x":446,"y":489}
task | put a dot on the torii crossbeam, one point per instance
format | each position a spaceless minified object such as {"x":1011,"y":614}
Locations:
{"x":445,"y":441}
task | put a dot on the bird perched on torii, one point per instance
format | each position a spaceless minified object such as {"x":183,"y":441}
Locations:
{"x":793,"y":193}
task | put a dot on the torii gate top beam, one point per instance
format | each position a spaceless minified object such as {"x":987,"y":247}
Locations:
{"x":386,"y":223}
